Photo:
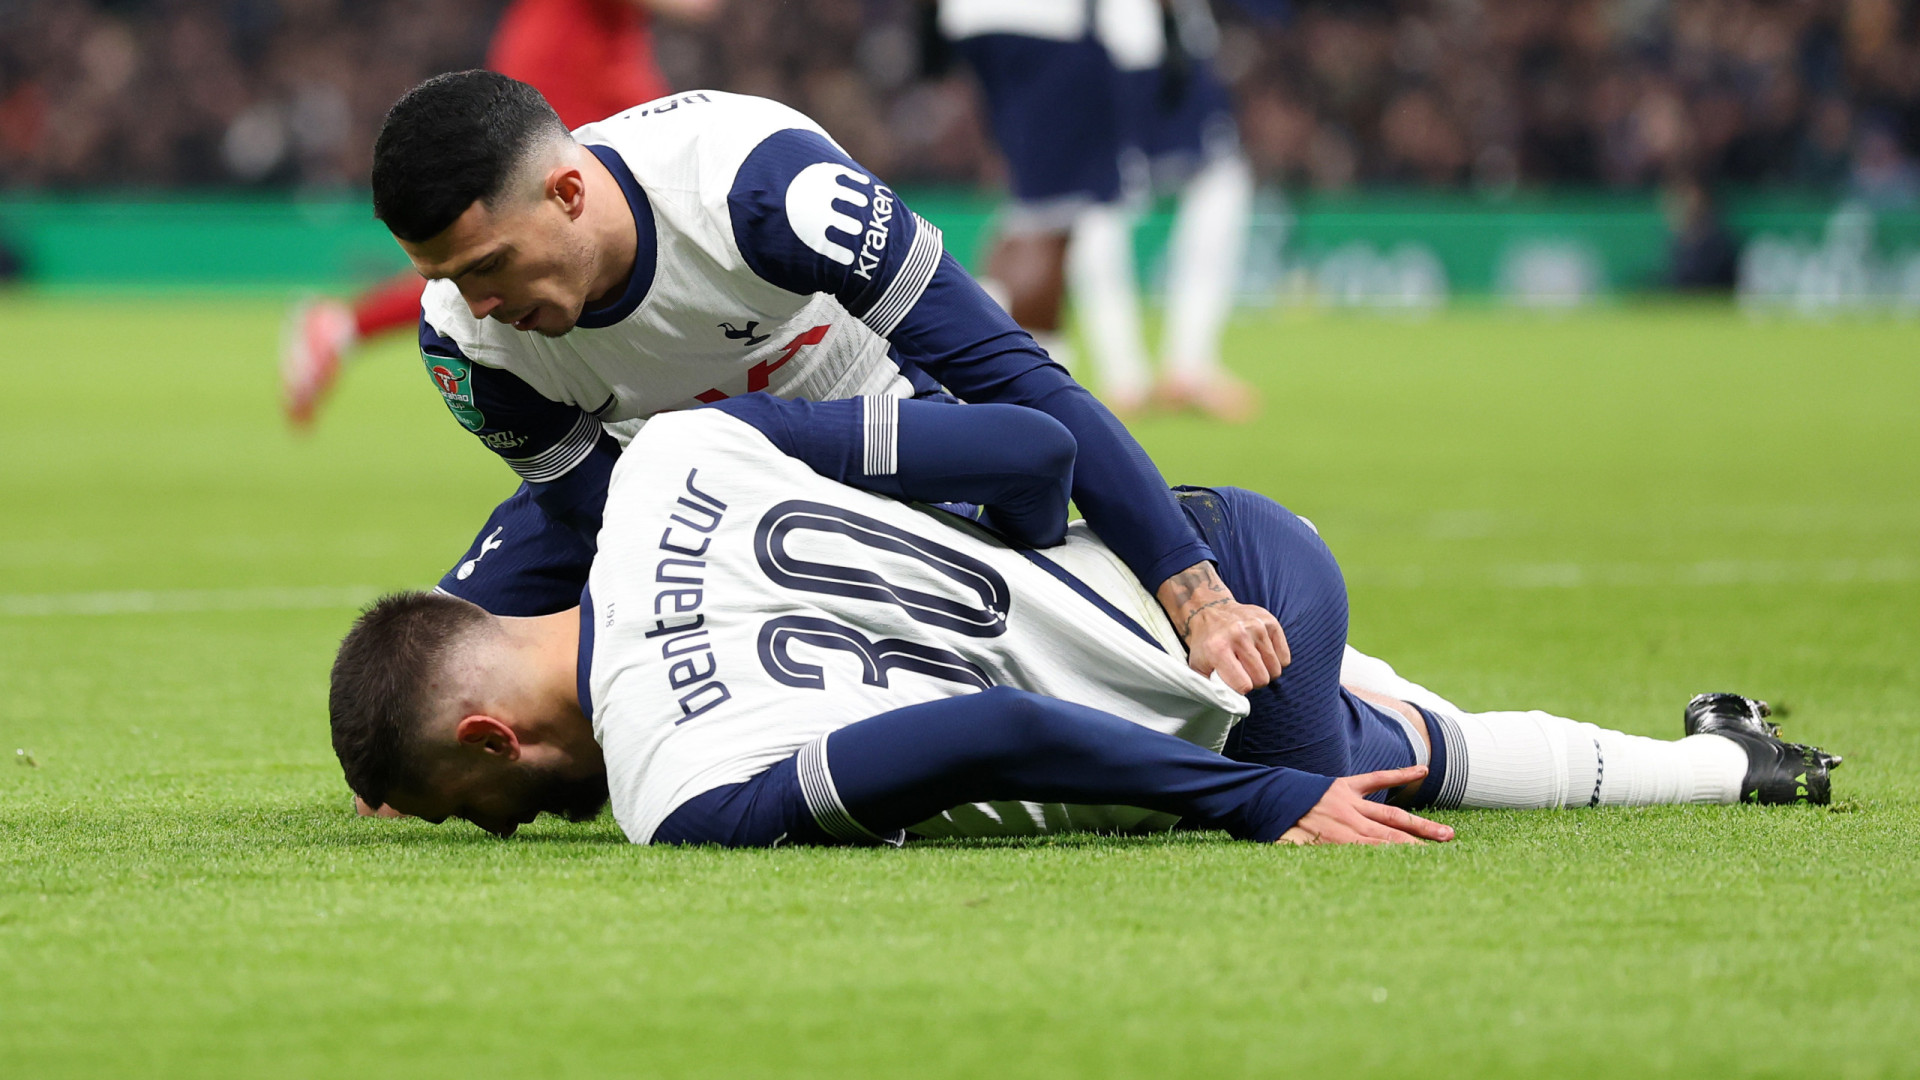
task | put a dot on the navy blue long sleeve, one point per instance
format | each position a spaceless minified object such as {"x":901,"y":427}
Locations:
{"x":874,"y":778}
{"x":889,"y":268}
{"x":957,"y":333}
{"x":1018,"y":463}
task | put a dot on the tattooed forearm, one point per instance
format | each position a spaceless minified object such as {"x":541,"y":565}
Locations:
{"x":1186,"y":628}
{"x":1191,"y":591}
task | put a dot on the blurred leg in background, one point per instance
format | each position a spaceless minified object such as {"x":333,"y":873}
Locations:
{"x":1181,"y":138}
{"x":1106,"y":299}
{"x":1049,"y":91}
{"x":1103,"y":272}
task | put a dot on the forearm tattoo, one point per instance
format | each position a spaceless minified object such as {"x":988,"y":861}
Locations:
{"x":1191,"y":591}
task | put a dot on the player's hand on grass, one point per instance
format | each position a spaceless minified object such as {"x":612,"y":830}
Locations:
{"x":1241,"y":643}
{"x":1344,"y":816}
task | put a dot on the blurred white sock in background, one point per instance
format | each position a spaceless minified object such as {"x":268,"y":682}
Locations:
{"x":1204,"y":255}
{"x":1057,"y":346}
{"x":1106,"y":299}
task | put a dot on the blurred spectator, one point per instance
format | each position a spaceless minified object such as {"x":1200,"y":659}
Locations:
{"x":166,"y":92}
{"x":1701,"y":255}
{"x":12,"y":266}
{"x":1884,"y":176}
{"x":1432,"y":93}
{"x":1823,"y":157}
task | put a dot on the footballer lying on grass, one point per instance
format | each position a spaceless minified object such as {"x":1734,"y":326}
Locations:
{"x":775,"y":645}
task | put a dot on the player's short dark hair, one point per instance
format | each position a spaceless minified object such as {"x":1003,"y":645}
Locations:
{"x":450,"y":142}
{"x":379,"y":699}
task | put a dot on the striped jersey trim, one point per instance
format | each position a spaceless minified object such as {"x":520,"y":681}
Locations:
{"x":881,"y":435}
{"x":823,"y":799}
{"x":1086,"y":593}
{"x":1453,"y":787}
{"x":557,"y":460}
{"x":923,"y":258}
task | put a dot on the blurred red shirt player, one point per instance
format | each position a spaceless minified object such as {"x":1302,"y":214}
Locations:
{"x":591,"y":59}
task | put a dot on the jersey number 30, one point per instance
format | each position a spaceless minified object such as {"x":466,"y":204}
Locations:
{"x":987,"y":617}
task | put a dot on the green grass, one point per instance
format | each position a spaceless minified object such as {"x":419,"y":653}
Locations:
{"x":1598,"y":515}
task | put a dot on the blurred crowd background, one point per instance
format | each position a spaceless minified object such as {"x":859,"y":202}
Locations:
{"x":1487,"y":95}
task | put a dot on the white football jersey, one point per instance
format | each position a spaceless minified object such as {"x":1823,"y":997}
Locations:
{"x":777,"y":264}
{"x":743,"y":607}
{"x":1054,"y":20}
{"x":1131,"y":30}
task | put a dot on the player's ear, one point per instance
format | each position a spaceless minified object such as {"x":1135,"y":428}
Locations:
{"x":489,"y":736}
{"x":567,"y":185}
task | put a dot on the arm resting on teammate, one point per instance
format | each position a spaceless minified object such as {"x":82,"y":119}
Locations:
{"x":967,"y":341}
{"x":1016,"y":462}
{"x":855,"y":240}
{"x":875,"y":777}
{"x":578,"y":498}
{"x":960,"y":335}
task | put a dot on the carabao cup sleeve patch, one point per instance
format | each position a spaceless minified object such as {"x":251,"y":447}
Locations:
{"x":453,"y":377}
{"x":539,"y":437}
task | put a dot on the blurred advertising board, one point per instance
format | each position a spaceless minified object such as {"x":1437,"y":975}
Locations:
{"x":1390,"y":252}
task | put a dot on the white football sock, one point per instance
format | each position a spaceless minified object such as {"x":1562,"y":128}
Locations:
{"x":1100,"y":273}
{"x":1204,"y":256}
{"x":1535,"y":760}
{"x":1363,"y":672}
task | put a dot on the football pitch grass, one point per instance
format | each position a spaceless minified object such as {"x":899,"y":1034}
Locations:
{"x":1598,"y":515}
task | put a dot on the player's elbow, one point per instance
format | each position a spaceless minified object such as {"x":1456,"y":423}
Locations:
{"x":1031,"y":443}
{"x":1023,"y":727}
{"x":1053,"y":448}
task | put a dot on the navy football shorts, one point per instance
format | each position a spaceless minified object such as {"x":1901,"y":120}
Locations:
{"x":1305,"y":719}
{"x":1176,"y":123}
{"x":1054,"y":110}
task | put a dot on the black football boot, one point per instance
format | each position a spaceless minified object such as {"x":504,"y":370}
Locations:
{"x":1711,"y":713}
{"x":1777,"y":771}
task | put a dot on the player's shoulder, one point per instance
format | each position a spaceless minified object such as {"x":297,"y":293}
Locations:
{"x":710,"y":123}
{"x":445,"y":316}
{"x":449,"y":324}
{"x":446,"y":325}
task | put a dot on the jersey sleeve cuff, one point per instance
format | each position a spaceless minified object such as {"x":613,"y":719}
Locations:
{"x":923,"y":258}
{"x":1172,"y":563}
{"x":1285,"y":798}
{"x":559,"y":459}
{"x":823,"y":800}
{"x":880,"y":435}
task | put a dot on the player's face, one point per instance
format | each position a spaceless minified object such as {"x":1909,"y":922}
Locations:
{"x":525,"y":262}
{"x":503,"y":799}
